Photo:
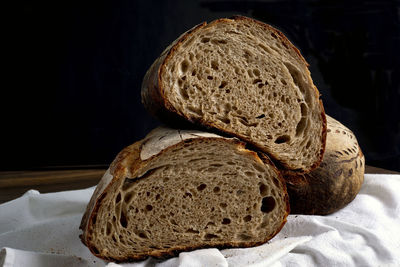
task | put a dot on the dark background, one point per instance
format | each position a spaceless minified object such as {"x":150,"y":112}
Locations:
{"x":71,"y":89}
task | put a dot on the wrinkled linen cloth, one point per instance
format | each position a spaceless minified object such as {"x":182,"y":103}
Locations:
{"x":42,"y":230}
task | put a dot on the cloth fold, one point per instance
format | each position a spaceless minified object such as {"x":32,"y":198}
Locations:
{"x":42,"y":230}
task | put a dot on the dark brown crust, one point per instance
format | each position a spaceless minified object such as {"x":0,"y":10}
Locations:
{"x":155,"y":101}
{"x":331,"y":186}
{"x":128,"y":162}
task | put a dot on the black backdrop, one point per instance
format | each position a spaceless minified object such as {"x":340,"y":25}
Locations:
{"x":71,"y":91}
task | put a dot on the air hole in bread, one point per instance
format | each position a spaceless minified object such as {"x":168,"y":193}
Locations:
{"x":227,"y":107}
{"x":108,"y":228}
{"x":308,"y":144}
{"x":247,"y":218}
{"x":201,"y":187}
{"x":260,"y":116}
{"x":214,"y":64}
{"x":304,"y":109}
{"x":149,"y":207}
{"x":223,"y":205}
{"x":216,"y":189}
{"x":142,"y":234}
{"x":210,"y":236}
{"x":196,"y":160}
{"x":192,"y":231}
{"x":209,"y":77}
{"x":296,"y":76}
{"x":257,"y":81}
{"x":205,"y":40}
{"x":263,"y":190}
{"x":282,"y":139}
{"x":226,"y":221}
{"x":258,"y":168}
{"x":184,"y":65}
{"x":301,"y":126}
{"x":244,"y":121}
{"x":183,"y":92}
{"x":249,"y":174}
{"x":122,"y":220}
{"x":128,"y":197}
{"x":222,"y":85}
{"x":256,"y":72}
{"x":118,"y":198}
{"x":191,"y":56}
{"x":224,"y":120}
{"x":268,"y":204}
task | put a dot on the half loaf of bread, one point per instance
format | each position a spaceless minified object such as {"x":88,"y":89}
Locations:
{"x":244,"y":78}
{"x":181,"y":190}
{"x":337,"y":180}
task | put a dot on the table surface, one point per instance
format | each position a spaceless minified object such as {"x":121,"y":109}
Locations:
{"x":13,"y":184}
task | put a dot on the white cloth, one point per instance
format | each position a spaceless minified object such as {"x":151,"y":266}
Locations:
{"x":42,"y":230}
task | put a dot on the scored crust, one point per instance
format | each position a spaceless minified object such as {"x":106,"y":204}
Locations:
{"x":337,"y":180}
{"x":155,"y":97}
{"x":130,"y":162}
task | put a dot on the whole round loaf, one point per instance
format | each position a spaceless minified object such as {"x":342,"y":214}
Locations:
{"x":180,"y":190}
{"x":244,"y":78}
{"x":337,"y":180}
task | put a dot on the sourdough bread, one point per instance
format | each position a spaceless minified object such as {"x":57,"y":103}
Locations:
{"x":244,"y":78}
{"x":181,"y":190}
{"x":337,"y":180}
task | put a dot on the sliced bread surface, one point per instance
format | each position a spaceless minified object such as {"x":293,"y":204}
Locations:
{"x":181,"y":190}
{"x":337,"y":180}
{"x":244,"y":78}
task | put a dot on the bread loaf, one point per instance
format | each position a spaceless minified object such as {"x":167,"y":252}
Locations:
{"x":244,"y":78}
{"x":181,"y":190}
{"x":337,"y":180}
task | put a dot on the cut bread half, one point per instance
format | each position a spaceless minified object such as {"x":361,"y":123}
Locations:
{"x":181,"y":190}
{"x":337,"y":180}
{"x":244,"y":78}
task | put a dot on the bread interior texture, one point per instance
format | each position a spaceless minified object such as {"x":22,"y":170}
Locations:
{"x":200,"y":193}
{"x":246,"y":79}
